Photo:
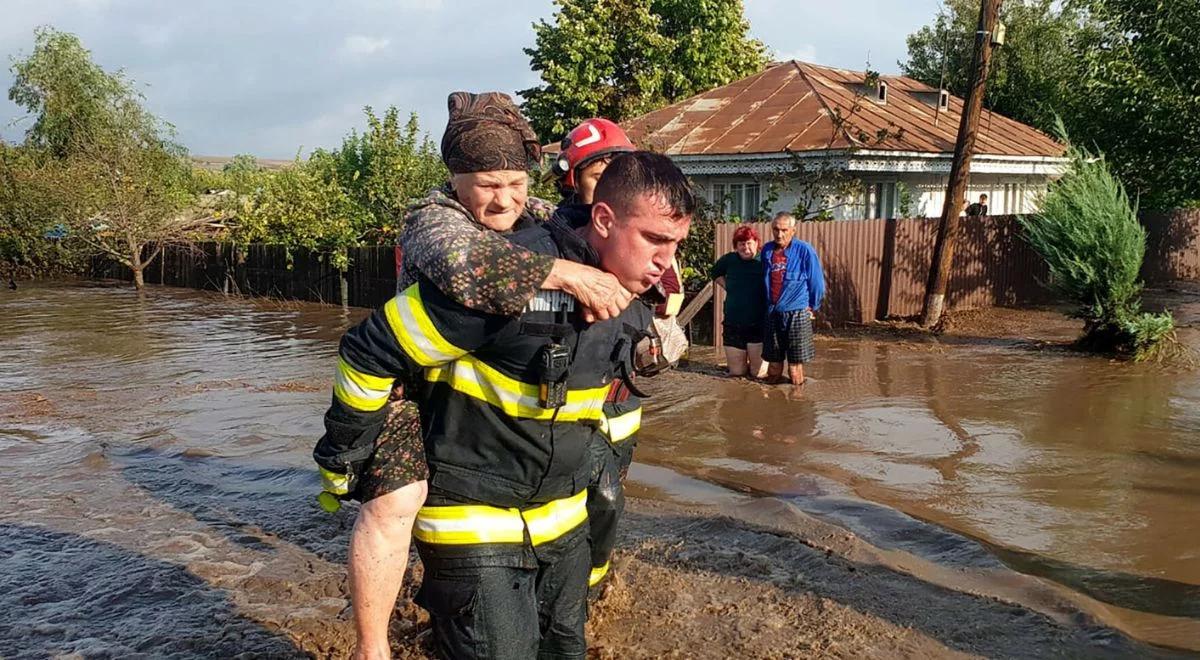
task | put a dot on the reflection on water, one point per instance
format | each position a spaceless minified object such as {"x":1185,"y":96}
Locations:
{"x":156,"y":456}
{"x":1072,"y":468}
{"x":183,"y":412}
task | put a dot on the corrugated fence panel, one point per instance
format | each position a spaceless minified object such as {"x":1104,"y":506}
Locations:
{"x":911,"y":252}
{"x":1172,"y":246}
{"x":852,"y":257}
{"x":372,"y":275}
{"x":875,"y":269}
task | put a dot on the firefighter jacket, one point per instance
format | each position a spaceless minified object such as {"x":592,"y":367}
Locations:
{"x":476,"y":377}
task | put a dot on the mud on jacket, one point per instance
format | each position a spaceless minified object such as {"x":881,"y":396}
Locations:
{"x":476,"y":378}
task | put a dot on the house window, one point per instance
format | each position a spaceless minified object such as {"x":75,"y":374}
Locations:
{"x":737,"y":199}
{"x":944,"y":100}
{"x":881,"y":200}
{"x":881,"y":93}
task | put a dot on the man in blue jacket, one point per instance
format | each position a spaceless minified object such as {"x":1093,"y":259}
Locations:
{"x":795,"y":287}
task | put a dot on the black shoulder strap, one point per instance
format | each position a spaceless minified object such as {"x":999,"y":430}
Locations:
{"x":552,"y":330}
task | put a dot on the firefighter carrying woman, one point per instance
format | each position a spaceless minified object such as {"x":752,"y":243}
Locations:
{"x":508,"y":335}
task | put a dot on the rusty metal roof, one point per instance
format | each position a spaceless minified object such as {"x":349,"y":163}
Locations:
{"x":797,"y":106}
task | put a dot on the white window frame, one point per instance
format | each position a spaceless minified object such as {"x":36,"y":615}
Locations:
{"x":882,"y":199}
{"x":737,"y":198}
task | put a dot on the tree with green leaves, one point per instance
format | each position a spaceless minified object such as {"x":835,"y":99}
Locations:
{"x":1141,"y":96}
{"x":1033,"y":77}
{"x":305,"y":206}
{"x":696,"y":250}
{"x":622,"y":58}
{"x":30,"y":231}
{"x":388,"y":165}
{"x":120,"y":181}
{"x":69,"y":97}
{"x":1120,"y":73}
{"x":348,"y":196}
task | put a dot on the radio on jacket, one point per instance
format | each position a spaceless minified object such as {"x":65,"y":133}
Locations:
{"x":555,"y":362}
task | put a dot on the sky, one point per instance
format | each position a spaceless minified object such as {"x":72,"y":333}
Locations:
{"x":277,"y":78}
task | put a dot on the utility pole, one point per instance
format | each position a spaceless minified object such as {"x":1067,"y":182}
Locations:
{"x":960,"y":169}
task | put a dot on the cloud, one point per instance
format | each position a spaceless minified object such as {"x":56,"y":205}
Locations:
{"x":268,"y":76}
{"x":93,"y":5}
{"x":154,"y":36}
{"x":360,"y":45}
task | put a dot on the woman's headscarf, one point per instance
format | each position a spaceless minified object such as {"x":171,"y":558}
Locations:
{"x":486,"y":132}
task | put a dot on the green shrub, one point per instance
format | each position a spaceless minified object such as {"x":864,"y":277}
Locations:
{"x":1088,"y":233}
{"x":341,"y":198}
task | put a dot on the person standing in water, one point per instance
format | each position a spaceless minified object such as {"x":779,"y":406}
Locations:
{"x":586,"y":152}
{"x":740,"y":273}
{"x":795,"y":286}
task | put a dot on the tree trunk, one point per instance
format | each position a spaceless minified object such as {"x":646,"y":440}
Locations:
{"x":136,"y":265}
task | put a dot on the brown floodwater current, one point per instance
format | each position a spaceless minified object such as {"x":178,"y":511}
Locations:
{"x":140,"y":435}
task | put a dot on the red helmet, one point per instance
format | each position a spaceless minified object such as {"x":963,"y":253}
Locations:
{"x":592,"y":139}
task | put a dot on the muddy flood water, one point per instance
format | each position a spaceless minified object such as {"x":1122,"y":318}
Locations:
{"x":158,"y":488}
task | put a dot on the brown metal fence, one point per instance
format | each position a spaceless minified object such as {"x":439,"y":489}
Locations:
{"x":876,"y":269}
{"x":1172,"y":246}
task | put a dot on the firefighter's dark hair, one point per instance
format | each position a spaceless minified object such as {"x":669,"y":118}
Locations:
{"x":638,"y":173}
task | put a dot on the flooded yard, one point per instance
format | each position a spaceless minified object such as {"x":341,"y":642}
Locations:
{"x":159,"y":488}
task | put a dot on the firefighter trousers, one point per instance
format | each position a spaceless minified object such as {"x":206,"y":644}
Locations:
{"x":508,"y":603}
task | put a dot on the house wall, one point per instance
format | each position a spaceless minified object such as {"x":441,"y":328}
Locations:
{"x":1008,"y":194}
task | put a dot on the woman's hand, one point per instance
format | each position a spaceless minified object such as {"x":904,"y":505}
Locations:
{"x":600,"y":293}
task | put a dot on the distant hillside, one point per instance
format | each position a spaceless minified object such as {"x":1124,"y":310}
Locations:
{"x":215,"y":163}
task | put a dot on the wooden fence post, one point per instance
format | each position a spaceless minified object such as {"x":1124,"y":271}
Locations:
{"x":344,"y":293}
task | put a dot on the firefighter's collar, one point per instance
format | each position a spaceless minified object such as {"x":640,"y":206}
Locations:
{"x":566,"y":227}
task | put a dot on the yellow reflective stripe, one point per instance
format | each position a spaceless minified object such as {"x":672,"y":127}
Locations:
{"x":338,"y":484}
{"x":471,"y":524}
{"x":475,"y":378}
{"x":597,"y":574}
{"x":674,"y":304}
{"x":464,"y":525}
{"x":550,"y":521}
{"x":359,"y":390}
{"x":622,"y":427}
{"x":415,"y":332}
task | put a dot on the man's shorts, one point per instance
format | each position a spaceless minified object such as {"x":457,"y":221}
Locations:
{"x":736,"y":335}
{"x":790,"y":335}
{"x":399,"y":458}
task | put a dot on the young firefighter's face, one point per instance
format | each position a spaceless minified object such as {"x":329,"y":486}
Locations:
{"x":496,"y":198}
{"x":587,"y":177}
{"x":636,"y":243}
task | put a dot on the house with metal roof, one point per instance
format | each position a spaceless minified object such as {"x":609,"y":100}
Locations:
{"x":843,"y":144}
